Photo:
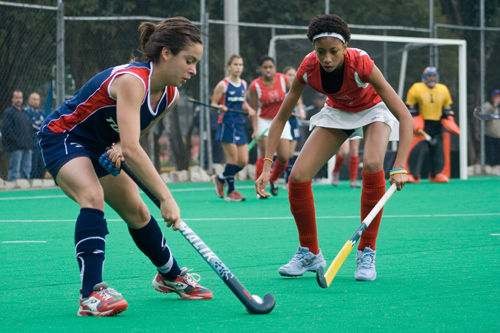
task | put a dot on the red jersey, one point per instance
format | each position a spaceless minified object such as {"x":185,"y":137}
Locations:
{"x":356,"y":94}
{"x":270,"y":99}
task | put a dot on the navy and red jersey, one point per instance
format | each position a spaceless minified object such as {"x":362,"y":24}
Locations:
{"x":270,"y":99}
{"x":233,"y":98}
{"x":90,"y":115}
{"x":356,"y":94}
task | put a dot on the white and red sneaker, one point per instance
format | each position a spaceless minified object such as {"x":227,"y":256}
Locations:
{"x":102,"y":302}
{"x":234,"y":196}
{"x":219,"y":186}
{"x":185,"y":285}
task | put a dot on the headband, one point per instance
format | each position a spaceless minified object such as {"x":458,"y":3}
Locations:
{"x":329,"y":34}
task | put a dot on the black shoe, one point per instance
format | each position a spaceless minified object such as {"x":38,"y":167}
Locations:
{"x":274,"y":188}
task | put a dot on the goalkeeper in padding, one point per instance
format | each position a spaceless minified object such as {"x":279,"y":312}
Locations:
{"x":429,"y":102}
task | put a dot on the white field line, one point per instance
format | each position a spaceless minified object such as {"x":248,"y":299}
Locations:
{"x":59,"y":196}
{"x":17,"y":242}
{"x":265,"y":218}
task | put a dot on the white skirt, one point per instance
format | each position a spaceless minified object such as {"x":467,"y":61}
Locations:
{"x":264,"y":124}
{"x":334,"y":118}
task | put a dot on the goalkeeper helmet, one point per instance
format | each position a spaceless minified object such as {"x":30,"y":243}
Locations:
{"x":430,"y":77}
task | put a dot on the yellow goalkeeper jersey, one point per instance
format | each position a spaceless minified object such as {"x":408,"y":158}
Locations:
{"x":430,"y":101}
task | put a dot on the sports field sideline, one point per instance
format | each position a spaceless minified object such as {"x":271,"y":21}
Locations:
{"x":437,"y":263}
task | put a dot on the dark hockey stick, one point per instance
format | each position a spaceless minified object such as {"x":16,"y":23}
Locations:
{"x":216,"y":108}
{"x":484,"y":116}
{"x":252,"y":303}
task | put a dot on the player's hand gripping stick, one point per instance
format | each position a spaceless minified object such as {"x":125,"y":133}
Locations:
{"x":252,"y":303}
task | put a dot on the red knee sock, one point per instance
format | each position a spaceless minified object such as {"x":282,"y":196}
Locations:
{"x":278,"y":169}
{"x":259,"y":165}
{"x":301,"y":200}
{"x":339,"y":161}
{"x":353,"y":167}
{"x":373,"y":190}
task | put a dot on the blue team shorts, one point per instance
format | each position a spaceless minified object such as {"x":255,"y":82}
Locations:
{"x":58,"y":149}
{"x":231,"y":133}
{"x":295,"y":128}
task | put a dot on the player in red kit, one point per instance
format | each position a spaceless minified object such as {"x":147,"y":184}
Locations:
{"x":360,"y":103}
{"x":266,"y":95}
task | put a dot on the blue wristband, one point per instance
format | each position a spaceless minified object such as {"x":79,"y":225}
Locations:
{"x":396,"y":170}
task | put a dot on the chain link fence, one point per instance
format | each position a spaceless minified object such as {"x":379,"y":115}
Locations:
{"x":28,"y":38}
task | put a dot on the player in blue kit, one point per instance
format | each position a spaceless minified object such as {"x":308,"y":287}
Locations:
{"x":231,"y":93}
{"x":117,"y":106}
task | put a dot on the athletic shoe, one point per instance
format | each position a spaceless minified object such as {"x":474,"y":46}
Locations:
{"x":219,"y":186}
{"x":259,"y":197}
{"x":355,"y":183}
{"x":185,"y":285}
{"x":274,"y":188}
{"x":440,"y":178}
{"x":335,"y":179}
{"x":285,"y":186}
{"x":303,"y":261}
{"x":234,"y":196}
{"x":102,"y":302}
{"x":366,"y":265}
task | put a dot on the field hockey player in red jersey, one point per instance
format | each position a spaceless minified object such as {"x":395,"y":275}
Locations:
{"x":117,"y":106}
{"x":267,"y":92}
{"x":360,"y":103}
{"x":231,"y":93}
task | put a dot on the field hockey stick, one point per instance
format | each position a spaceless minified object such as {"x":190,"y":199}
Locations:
{"x":484,"y":116}
{"x":324,"y":280}
{"x":216,"y":108}
{"x":427,"y":137}
{"x":254,"y":141}
{"x":251,"y":302}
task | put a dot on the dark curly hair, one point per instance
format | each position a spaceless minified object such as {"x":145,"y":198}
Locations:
{"x":328,"y":23}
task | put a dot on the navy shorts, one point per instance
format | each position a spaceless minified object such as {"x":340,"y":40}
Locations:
{"x":295,"y":128}
{"x":58,"y":149}
{"x":231,"y":133}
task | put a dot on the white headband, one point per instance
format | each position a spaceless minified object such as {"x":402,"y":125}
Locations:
{"x":329,"y":34}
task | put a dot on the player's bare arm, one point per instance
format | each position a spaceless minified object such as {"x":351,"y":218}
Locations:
{"x":398,"y":108}
{"x":129,"y":92}
{"x":218,"y":92}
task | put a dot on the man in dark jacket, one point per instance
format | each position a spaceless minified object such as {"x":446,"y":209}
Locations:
{"x":17,"y":138}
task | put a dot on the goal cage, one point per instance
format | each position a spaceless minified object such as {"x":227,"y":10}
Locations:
{"x":401,"y":60}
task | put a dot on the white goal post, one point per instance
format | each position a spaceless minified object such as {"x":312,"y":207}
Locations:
{"x":462,"y":76}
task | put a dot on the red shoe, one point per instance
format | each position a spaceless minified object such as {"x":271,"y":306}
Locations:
{"x":185,"y":285}
{"x":102,"y":302}
{"x":412,"y":179}
{"x":234,"y":196}
{"x":440,"y":178}
{"x":219,"y":186}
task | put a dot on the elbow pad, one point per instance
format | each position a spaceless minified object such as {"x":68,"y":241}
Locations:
{"x":447,"y":112}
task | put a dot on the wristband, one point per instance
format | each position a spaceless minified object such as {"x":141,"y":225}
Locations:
{"x":397,"y":171}
{"x":268,"y":159}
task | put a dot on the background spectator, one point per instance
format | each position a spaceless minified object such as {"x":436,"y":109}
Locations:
{"x":17,"y":138}
{"x":37,"y":117}
{"x":492,"y":129}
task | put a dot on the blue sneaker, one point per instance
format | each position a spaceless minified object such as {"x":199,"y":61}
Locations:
{"x":366,"y":265}
{"x":303,"y":261}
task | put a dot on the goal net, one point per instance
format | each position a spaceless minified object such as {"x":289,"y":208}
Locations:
{"x":401,"y":60}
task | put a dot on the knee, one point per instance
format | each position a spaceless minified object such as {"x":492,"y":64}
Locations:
{"x":299,"y":177}
{"x":137,"y":217}
{"x":372,"y":165}
{"x":93,"y":198}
